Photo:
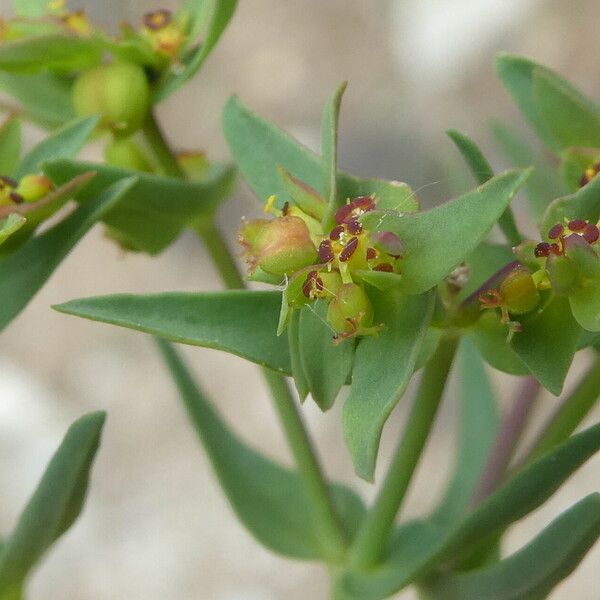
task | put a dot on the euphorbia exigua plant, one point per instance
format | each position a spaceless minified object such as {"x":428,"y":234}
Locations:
{"x":367,"y":290}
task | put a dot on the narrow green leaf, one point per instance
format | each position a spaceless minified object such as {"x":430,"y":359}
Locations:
{"x":259,"y":147}
{"x":9,"y":225}
{"x":326,"y":365}
{"x":302,"y":194}
{"x":24,"y":272}
{"x":57,"y":51}
{"x":522,"y":494}
{"x":43,"y":97}
{"x":157,"y":209}
{"x":293,"y":333}
{"x":482,"y":172}
{"x":547,"y":357}
{"x":438,"y":240}
{"x":241,"y":322}
{"x":516,"y":73}
{"x":383,"y":367}
{"x":544,"y":184}
{"x":269,"y":499}
{"x":534,"y":571}
{"x":329,"y":141}
{"x":221,"y":13}
{"x":572,"y":119}
{"x":10,"y":146}
{"x":583,"y":204}
{"x":64,"y":143}
{"x":55,"y":505}
{"x":478,"y":424}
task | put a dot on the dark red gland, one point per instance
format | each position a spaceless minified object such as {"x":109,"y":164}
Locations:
{"x":16,"y":198}
{"x":354,"y":209}
{"x":542,"y":249}
{"x":336,"y":232}
{"x":8,"y":181}
{"x":371,"y":254}
{"x":385,"y":267}
{"x":349,"y":249}
{"x":591,"y":233}
{"x":157,"y":19}
{"x":577,"y":224}
{"x":286,"y":209}
{"x":325,"y":251}
{"x":354,"y":226}
{"x":312,"y":284}
{"x":556,"y":231}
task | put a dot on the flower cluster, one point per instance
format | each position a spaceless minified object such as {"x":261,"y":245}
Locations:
{"x":332,"y":264}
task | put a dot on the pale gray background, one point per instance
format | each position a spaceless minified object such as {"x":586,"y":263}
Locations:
{"x":156,"y":525}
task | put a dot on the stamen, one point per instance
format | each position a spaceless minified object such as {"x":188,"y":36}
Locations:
{"x":349,"y":249}
{"x":325,"y":251}
{"x":591,"y":233}
{"x":577,"y":225}
{"x":556,"y":231}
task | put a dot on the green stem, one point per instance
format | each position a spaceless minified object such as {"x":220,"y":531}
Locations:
{"x":157,"y":142}
{"x":569,"y":414}
{"x":374,"y":532}
{"x":333,"y":537}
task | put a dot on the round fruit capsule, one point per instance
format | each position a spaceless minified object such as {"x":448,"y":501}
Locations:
{"x":518,"y":292}
{"x":350,"y":310}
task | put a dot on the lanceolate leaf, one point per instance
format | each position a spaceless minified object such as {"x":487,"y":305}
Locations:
{"x":548,"y":357}
{"x":436,"y":241}
{"x":585,"y":305}
{"x":24,"y":272}
{"x":259,"y":148}
{"x":30,"y":9}
{"x":326,"y":366}
{"x":9,"y":225}
{"x":240,"y":322}
{"x":43,"y":97}
{"x":478,"y":424}
{"x":532,"y":572}
{"x":221,"y":13}
{"x":383,"y":367}
{"x":522,"y":494}
{"x":10,"y":146}
{"x":293,"y":333}
{"x":64,"y":143}
{"x":157,"y":209}
{"x":329,"y":139}
{"x":55,"y":505}
{"x":269,"y":499}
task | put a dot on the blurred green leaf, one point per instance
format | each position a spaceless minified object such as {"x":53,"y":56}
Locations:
{"x":383,"y":367}
{"x":259,"y":147}
{"x":585,"y":305}
{"x":30,"y":9}
{"x":547,"y":356}
{"x":60,"y":52}
{"x":269,"y":499}
{"x":9,"y":225}
{"x":544,"y":184}
{"x":10,"y":146}
{"x":329,"y":142}
{"x":241,"y":322}
{"x":572,"y":119}
{"x":534,"y":571}
{"x":64,"y":143}
{"x":520,"y":495}
{"x":24,"y":272}
{"x":478,"y":425}
{"x":43,"y":97}
{"x":326,"y":365}
{"x":221,"y":13}
{"x":583,"y":204}
{"x":436,"y":241}
{"x":157,"y":209}
{"x":56,"y":503}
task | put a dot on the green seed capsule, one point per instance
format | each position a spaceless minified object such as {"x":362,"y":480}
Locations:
{"x":351,"y":310}
{"x":118,"y":92}
{"x":519,"y":292}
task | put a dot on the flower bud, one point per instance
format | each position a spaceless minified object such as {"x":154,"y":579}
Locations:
{"x":350,"y":311}
{"x":118,"y":92}
{"x":519,"y":292}
{"x":33,"y":187}
{"x":125,"y":153}
{"x":281,"y":247}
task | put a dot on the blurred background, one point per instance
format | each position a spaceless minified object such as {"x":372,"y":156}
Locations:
{"x":156,"y":525}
